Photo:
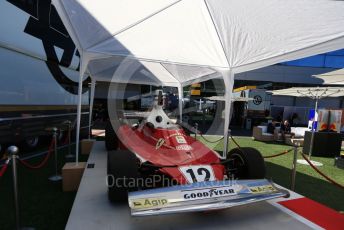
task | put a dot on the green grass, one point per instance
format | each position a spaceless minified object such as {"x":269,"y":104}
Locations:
{"x":43,"y":204}
{"x":308,"y":182}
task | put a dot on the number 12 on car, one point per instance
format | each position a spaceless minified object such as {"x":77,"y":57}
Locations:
{"x":197,"y":173}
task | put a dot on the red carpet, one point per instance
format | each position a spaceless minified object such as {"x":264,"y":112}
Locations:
{"x":316,"y":213}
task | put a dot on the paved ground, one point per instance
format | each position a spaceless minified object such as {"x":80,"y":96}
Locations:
{"x":92,"y":210}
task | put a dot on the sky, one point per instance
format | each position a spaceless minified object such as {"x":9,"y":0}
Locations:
{"x":333,"y":59}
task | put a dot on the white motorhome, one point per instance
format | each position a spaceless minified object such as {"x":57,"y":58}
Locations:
{"x":38,"y":72}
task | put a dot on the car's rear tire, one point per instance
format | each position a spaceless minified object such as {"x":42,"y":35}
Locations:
{"x":111,"y":139}
{"x":123,"y":172}
{"x":248,"y":163}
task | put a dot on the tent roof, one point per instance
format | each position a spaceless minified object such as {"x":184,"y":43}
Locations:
{"x":127,"y":70}
{"x":332,"y":78}
{"x":234,"y":98}
{"x":311,"y":92}
{"x":210,"y":34}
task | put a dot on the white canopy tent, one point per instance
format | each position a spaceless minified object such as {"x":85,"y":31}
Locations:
{"x":193,"y":38}
{"x":127,"y":70}
{"x":315,"y":93}
{"x":332,"y":78}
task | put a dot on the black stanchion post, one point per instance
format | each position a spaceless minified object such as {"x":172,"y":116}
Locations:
{"x":203,"y":119}
{"x":69,"y":155}
{"x":13,"y":152}
{"x":293,"y":171}
{"x":196,"y":128}
{"x":229,"y":136}
{"x":56,"y":177}
{"x":13,"y":155}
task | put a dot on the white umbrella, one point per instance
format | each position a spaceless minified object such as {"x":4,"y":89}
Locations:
{"x":192,"y":39}
{"x":332,"y":78}
{"x":315,"y":93}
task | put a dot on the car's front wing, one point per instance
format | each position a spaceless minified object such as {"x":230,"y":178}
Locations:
{"x":202,"y":196}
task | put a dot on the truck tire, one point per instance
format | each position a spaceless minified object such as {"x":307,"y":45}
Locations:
{"x":2,"y":152}
{"x":32,"y":142}
{"x":111,"y":139}
{"x":248,"y":163}
{"x":121,"y":164}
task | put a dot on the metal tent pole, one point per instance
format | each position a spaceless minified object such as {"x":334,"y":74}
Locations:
{"x":180,"y":102}
{"x":228,"y":78}
{"x":313,"y":128}
{"x":93,"y":86}
{"x":78,"y":118}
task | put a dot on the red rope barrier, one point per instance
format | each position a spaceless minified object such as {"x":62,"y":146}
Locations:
{"x":207,"y":140}
{"x":305,"y":157}
{"x":45,"y":160}
{"x":279,"y":154}
{"x":236,"y":143}
{"x":276,"y":155}
{"x":322,"y":174}
{"x":4,"y":167}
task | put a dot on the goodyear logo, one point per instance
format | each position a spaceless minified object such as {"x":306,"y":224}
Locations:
{"x":149,"y":203}
{"x":263,"y":189}
{"x":209,"y":193}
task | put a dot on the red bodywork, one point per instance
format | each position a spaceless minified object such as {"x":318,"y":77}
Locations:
{"x":163,"y":147}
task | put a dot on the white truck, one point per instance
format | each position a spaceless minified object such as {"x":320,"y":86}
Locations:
{"x":38,"y":72}
{"x":256,"y":109}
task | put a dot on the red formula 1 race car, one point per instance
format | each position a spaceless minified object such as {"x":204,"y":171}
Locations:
{"x":167,"y":171}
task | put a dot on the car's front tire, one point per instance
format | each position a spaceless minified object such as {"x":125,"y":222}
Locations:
{"x":123,"y":174}
{"x":111,"y":139}
{"x":247,"y":163}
